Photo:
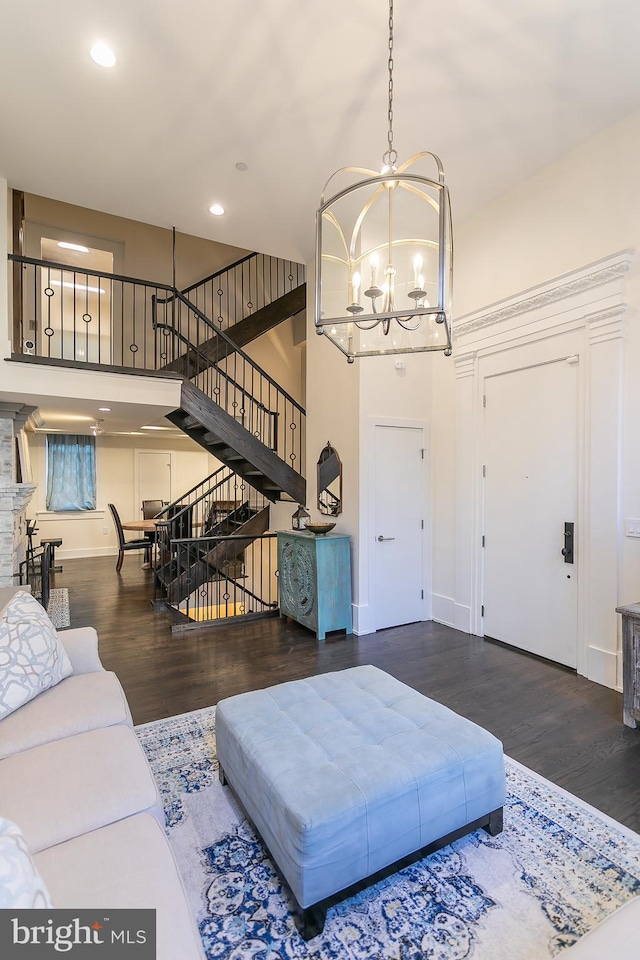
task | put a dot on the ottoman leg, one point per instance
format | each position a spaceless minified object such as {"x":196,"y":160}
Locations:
{"x":495,"y":824}
{"x":309,"y":921}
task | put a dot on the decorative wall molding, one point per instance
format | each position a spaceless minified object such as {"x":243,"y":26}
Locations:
{"x":465,"y":364}
{"x":559,"y":289}
{"x":606,"y":324}
{"x":581,"y":316}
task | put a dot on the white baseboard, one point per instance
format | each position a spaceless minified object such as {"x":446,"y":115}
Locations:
{"x":451,"y":614}
{"x":602,"y":667}
{"x":462,"y":617}
{"x":444,"y":610}
{"x":362,"y":619}
{"x":85,"y":552}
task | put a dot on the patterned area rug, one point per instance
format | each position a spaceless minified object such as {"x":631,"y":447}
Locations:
{"x":58,"y":607}
{"x":558,"y":868}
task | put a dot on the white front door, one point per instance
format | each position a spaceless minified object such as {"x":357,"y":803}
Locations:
{"x":399,"y":520}
{"x":531,"y":464}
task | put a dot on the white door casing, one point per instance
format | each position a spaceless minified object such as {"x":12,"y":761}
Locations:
{"x":580,"y":313}
{"x":399,"y":523}
{"x":530,"y":478}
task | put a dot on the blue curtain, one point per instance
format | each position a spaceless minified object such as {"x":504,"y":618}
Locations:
{"x":71,"y":472}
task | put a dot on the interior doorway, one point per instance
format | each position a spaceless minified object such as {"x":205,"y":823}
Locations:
{"x":76,"y":302}
{"x":530,"y":592}
{"x":399,"y":524}
{"x":153,"y":471}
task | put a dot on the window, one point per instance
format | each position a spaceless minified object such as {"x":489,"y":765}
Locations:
{"x":71,"y":472}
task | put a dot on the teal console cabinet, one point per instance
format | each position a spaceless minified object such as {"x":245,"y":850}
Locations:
{"x":315,"y":580}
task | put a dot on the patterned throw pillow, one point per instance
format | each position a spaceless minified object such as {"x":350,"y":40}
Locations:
{"x":21,"y":886}
{"x":32,"y":659}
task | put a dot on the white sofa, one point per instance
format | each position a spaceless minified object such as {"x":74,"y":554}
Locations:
{"x":76,"y":781}
{"x":616,"y":937}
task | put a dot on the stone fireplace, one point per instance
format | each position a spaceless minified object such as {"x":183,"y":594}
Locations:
{"x":14,"y":495}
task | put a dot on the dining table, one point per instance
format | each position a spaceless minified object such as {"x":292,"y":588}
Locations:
{"x":142,"y":526}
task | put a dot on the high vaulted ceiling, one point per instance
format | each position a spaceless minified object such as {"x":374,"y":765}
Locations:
{"x":296,"y":89}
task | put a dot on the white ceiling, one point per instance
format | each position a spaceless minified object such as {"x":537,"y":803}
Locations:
{"x":295,"y":89}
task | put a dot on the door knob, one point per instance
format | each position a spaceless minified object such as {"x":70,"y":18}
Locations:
{"x":381,"y":539}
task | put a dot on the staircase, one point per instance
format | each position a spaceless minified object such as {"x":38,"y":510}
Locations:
{"x":217,"y":557}
{"x":243,"y":418}
{"x":234,"y":445}
{"x":203,"y":539}
{"x":228,"y":404}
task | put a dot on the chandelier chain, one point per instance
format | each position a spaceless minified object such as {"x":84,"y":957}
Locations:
{"x":390,"y":156}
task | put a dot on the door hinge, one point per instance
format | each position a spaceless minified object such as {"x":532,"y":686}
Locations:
{"x":422,"y":594}
{"x":484,"y":400}
{"x":484,"y":469}
{"x":483,"y":540}
{"x":422,"y":524}
{"x":482,"y":611}
{"x":422,"y":453}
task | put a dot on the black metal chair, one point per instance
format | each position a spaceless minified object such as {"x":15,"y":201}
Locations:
{"x":122,"y":543}
{"x":151,"y":508}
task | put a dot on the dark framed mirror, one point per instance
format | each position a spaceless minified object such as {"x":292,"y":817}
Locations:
{"x":329,"y":482}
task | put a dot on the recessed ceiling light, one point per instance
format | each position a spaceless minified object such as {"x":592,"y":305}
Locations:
{"x":216,"y":209}
{"x":104,"y":409}
{"x":73,"y":246}
{"x":241,"y":166}
{"x":103,"y":55}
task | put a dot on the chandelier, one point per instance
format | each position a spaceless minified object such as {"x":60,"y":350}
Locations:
{"x":384,"y":255}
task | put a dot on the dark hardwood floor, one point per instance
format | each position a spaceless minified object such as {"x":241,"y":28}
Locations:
{"x":562,"y":726}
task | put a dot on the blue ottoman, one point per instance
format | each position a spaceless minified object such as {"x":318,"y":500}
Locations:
{"x":351,"y":776}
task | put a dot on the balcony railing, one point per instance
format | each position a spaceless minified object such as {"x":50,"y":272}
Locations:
{"x":239,"y":290}
{"x":101,"y":320}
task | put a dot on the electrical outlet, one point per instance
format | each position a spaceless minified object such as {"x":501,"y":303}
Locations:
{"x":632,"y":527}
{"x":105,"y":531}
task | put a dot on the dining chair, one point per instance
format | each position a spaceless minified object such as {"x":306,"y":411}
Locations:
{"x":151,"y":508}
{"x":122,"y":543}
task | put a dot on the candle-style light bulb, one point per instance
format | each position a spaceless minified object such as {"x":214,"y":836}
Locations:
{"x":374,"y":263}
{"x":355,"y":288}
{"x":417,"y":267}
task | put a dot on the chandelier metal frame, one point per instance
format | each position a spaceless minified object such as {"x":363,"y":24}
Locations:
{"x":430,"y":321}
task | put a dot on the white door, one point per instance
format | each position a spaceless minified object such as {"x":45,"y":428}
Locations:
{"x":153,"y":472}
{"x":531,"y":456}
{"x":400,"y":517}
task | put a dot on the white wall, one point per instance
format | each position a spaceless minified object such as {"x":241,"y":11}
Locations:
{"x":84,"y":536}
{"x":341,"y":399}
{"x":582,"y":208}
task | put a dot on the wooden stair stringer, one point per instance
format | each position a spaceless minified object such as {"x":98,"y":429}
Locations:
{"x":210,"y":418}
{"x":215,"y":349}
